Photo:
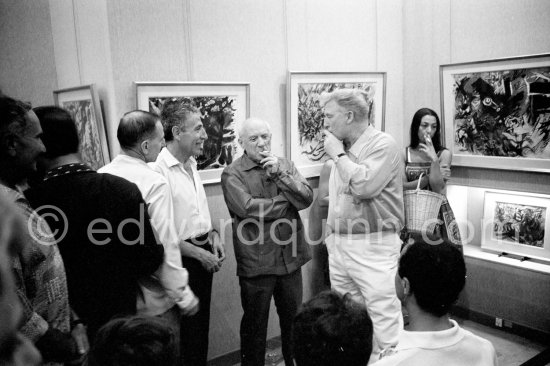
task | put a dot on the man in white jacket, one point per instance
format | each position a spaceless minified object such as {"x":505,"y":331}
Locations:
{"x":141,"y":138}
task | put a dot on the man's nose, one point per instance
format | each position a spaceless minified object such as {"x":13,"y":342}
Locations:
{"x":204,"y":135}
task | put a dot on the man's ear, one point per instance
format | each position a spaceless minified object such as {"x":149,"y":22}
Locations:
{"x":144,"y":146}
{"x":406,"y":286}
{"x":9,"y":145}
{"x":350,"y":116}
{"x":175,"y":131}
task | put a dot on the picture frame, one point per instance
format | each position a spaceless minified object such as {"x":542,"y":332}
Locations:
{"x":496,"y":113}
{"x":222,"y":106}
{"x":516,"y":223}
{"x":305,"y":116}
{"x":84,"y":106}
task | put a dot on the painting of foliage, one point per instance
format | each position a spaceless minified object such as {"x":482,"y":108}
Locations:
{"x":310,"y":114}
{"x":217,"y":115}
{"x":82,"y":112}
{"x":503,"y":113}
{"x":520,"y":224}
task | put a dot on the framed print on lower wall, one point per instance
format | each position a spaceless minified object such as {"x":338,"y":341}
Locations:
{"x":221,"y":105}
{"x":82,"y":102}
{"x":516,"y":223}
{"x":496,"y":113}
{"x":305,"y":115}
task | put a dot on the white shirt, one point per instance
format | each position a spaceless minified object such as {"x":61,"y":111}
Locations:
{"x":191,"y":214}
{"x":451,"y":347}
{"x":156,"y":193}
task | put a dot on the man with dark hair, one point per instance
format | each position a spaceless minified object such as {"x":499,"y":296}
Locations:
{"x":201,"y":247}
{"x":37,"y":266}
{"x":135,"y":341}
{"x":428,"y":282}
{"x":141,"y":138}
{"x":332,"y":330}
{"x":100,"y":222}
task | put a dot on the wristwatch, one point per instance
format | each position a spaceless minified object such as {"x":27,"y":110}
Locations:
{"x":338,"y":157}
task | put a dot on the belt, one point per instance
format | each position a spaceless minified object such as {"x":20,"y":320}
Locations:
{"x":200,"y":240}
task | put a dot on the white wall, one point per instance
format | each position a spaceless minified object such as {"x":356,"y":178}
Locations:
{"x":27,"y":68}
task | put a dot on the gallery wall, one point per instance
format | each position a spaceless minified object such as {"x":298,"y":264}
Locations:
{"x":112,"y":43}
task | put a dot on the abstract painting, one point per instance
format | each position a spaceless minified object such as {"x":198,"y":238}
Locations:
{"x":306,"y":113}
{"x":516,"y":223}
{"x":221,"y":107}
{"x":498,"y":113}
{"x":83,"y":105}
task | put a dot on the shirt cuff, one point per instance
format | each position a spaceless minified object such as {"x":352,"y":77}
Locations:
{"x":187,"y":300}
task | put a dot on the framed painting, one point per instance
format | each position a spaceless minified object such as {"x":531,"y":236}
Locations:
{"x":221,"y":105}
{"x":496,"y":113}
{"x":305,"y":115}
{"x":83,"y":104}
{"x":516,"y":223}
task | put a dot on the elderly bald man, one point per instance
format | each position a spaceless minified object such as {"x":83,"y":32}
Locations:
{"x":264,"y":193}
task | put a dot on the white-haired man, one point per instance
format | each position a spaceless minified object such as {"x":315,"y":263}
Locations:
{"x":264,"y":193}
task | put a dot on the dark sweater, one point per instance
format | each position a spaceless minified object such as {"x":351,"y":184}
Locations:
{"x":102,"y":268}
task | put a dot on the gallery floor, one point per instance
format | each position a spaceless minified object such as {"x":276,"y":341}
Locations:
{"x":512,"y":350}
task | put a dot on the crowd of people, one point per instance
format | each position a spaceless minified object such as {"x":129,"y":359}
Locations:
{"x":115,"y":266}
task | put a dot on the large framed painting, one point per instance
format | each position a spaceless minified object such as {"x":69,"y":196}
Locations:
{"x":516,"y":223}
{"x":305,"y":115}
{"x":83,"y":104}
{"x":222,"y":106}
{"x":496,"y":113}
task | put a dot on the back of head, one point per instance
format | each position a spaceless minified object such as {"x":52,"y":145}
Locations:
{"x":331,"y":330}
{"x":175,"y":111}
{"x":354,"y":100}
{"x":12,"y":119}
{"x":436,"y":273}
{"x":134,"y":341}
{"x":59,"y":133}
{"x":134,"y":127}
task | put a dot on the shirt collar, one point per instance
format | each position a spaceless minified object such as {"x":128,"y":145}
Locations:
{"x":431,"y":340}
{"x":67,"y":169}
{"x":129,"y":159}
{"x":171,"y":160}
{"x":12,"y":194}
{"x":356,"y":148}
{"x":248,"y":163}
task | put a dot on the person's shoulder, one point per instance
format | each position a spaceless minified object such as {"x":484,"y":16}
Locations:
{"x":234,"y":166}
{"x":118,"y":184}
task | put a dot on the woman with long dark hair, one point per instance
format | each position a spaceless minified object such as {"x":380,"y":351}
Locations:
{"x":428,"y":160}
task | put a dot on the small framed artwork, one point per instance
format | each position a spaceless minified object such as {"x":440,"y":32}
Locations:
{"x":222,"y":106}
{"x":83,"y":104}
{"x":305,"y":114}
{"x":496,"y":113}
{"x":516,"y":223}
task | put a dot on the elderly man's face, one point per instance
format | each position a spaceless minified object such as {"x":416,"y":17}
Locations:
{"x":335,"y":119}
{"x":192,"y":136}
{"x":256,"y":139}
{"x":29,"y":145}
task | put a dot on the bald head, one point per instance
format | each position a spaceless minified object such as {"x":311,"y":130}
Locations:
{"x":255,"y":137}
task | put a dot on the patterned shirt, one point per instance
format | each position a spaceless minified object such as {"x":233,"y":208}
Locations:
{"x":39,"y":275}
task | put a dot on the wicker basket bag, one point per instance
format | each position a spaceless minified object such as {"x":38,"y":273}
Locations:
{"x":421,"y":206}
